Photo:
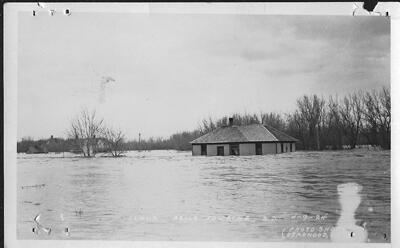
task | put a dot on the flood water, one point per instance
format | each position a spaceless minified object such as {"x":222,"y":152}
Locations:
{"x":170,"y":195}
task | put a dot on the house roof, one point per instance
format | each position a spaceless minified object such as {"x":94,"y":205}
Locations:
{"x":248,"y":133}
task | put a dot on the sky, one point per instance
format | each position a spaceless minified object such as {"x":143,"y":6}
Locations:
{"x":159,"y":74}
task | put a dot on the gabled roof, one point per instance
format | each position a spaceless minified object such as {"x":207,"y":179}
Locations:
{"x":248,"y":133}
{"x":281,"y":136}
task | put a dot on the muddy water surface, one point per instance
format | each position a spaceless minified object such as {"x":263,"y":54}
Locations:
{"x":169,"y":195}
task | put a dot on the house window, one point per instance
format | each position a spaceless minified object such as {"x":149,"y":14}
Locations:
{"x":203,"y":149}
{"x":258,"y":149}
{"x":220,"y":150}
{"x":234,"y":149}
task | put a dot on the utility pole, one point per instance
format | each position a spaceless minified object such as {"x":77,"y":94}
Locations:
{"x":139,"y":141}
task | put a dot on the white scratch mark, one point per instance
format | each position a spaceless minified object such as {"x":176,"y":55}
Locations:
{"x":346,"y":229}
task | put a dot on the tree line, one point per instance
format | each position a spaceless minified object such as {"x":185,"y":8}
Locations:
{"x":360,"y":118}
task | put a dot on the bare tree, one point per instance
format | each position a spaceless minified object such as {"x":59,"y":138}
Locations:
{"x":334,"y":123}
{"x":114,"y":141}
{"x":385,"y":117}
{"x":207,"y":126}
{"x":297,"y":127}
{"x":370,"y":116}
{"x":311,"y":110}
{"x":85,"y":129}
{"x":273,"y":119}
{"x":352,"y":112}
{"x":377,"y":117}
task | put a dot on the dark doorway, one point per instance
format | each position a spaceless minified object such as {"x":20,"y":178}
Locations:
{"x":258,"y":149}
{"x":220,"y":150}
{"x":203,"y":149}
{"x":234,"y":149}
{"x":291,"y":149}
{"x":282,"y":151}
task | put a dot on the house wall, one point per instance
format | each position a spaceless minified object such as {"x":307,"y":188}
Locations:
{"x":278,"y":150}
{"x":268,"y":148}
{"x":196,"y":150}
{"x":212,"y":149}
{"x":286,"y":147}
{"x":226,"y":150}
{"x":247,"y":149}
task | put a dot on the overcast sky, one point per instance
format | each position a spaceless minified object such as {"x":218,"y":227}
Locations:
{"x":171,"y":71}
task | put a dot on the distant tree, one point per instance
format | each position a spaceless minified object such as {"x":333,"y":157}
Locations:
{"x":114,"y":141}
{"x":86,"y":129}
{"x":377,"y":108}
{"x":222,"y":121}
{"x":181,"y":141}
{"x":207,"y":126}
{"x":273,"y":119}
{"x":311,"y":109}
{"x":351,"y":113}
{"x":371,"y":116}
{"x":334,"y":124}
{"x":297,"y":127}
{"x":245,"y":119}
{"x":385,"y":116}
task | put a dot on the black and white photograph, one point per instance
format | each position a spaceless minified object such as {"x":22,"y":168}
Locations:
{"x":202,"y":126}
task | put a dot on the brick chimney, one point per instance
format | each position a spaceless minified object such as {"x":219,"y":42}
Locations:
{"x":230,"y":121}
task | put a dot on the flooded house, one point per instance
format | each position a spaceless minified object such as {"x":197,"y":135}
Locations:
{"x":255,"y":139}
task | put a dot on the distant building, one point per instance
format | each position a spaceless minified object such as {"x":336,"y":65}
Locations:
{"x":98,"y":145}
{"x":246,"y":140}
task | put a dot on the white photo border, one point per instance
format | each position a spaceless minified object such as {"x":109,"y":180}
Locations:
{"x":11,"y":11}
